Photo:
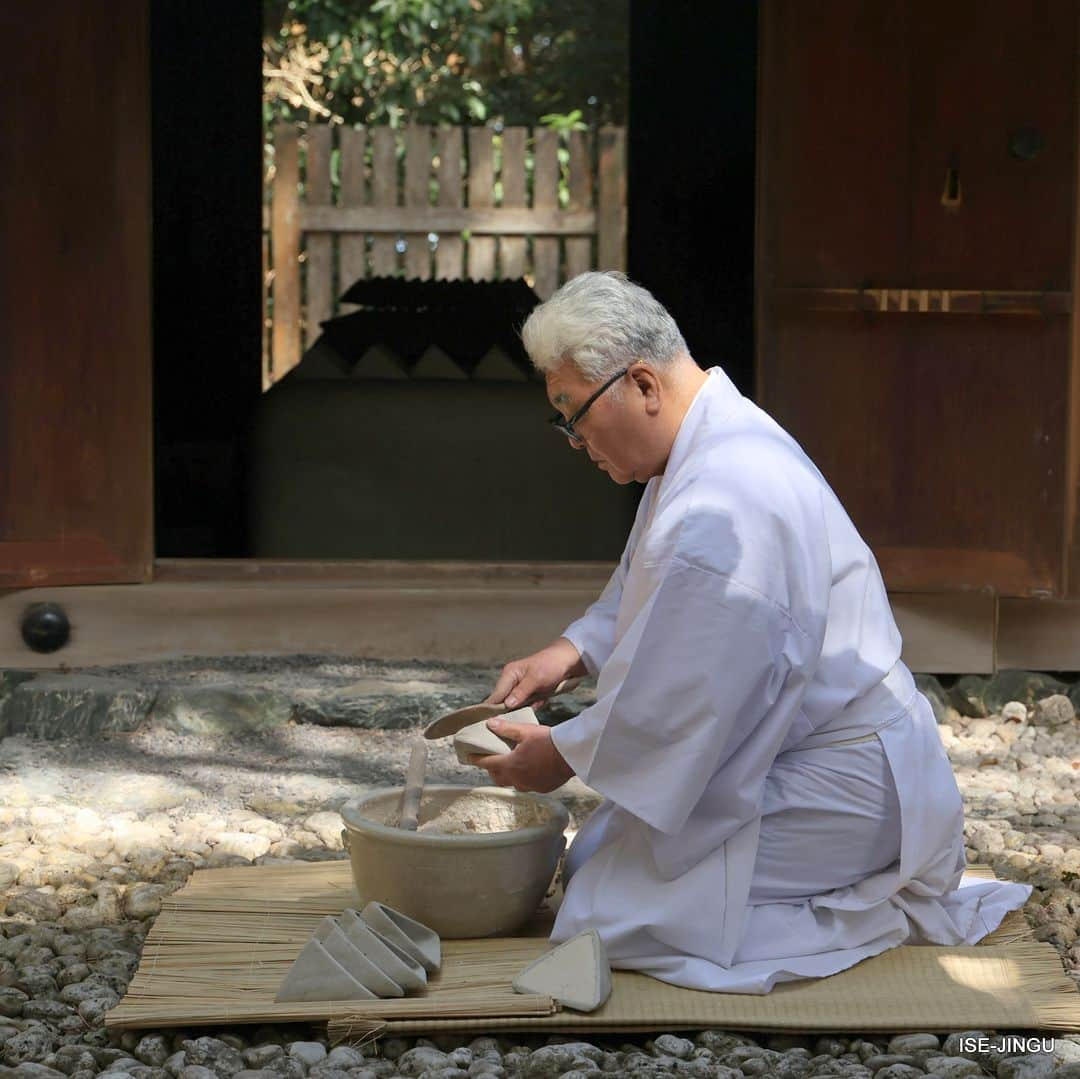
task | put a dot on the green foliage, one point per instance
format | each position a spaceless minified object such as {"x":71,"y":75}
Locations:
{"x":557,"y":62}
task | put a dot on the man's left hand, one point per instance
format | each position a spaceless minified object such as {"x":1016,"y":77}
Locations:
{"x":534,"y":764}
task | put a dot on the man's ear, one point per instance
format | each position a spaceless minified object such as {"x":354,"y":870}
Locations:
{"x":648,"y":385}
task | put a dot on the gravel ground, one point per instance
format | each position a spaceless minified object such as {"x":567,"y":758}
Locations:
{"x":94,"y":833}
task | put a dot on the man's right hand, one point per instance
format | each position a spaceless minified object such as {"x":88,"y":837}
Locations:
{"x":532,"y":679}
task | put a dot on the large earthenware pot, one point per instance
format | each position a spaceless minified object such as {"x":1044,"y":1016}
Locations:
{"x":478,"y":864}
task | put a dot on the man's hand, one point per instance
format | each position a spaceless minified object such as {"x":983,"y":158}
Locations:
{"x":534,"y":764}
{"x":531,"y":679}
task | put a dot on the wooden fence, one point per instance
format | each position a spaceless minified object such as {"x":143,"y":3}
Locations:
{"x":425,"y":202}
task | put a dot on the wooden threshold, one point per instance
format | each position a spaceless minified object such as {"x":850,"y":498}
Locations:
{"x":454,"y":612}
{"x":379,"y":572}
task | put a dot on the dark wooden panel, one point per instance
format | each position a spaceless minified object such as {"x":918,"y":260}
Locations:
{"x":75,"y":488}
{"x":943,"y":435}
{"x":982,"y":70}
{"x":833,"y":141}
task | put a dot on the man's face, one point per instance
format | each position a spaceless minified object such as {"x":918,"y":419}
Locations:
{"x":606,"y":428}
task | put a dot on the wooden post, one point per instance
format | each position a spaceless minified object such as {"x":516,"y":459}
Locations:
{"x":384,"y":258}
{"x":481,"y":196}
{"x":352,"y":260}
{"x":579,"y":256}
{"x":319,"y":245}
{"x":448,"y":255}
{"x":545,"y":197}
{"x":417,"y":176}
{"x":285,"y":241}
{"x":611,"y":200}
{"x":512,"y":248}
{"x":266,"y":323}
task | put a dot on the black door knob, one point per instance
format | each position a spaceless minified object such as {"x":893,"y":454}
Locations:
{"x":45,"y":627}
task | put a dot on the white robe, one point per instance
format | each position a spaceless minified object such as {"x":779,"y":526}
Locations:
{"x":745,"y":633}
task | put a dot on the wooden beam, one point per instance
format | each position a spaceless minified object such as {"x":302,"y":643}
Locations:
{"x":450,"y":253}
{"x":494,"y":221}
{"x":916,"y":300}
{"x":384,"y":196}
{"x":512,"y":175}
{"x":446,"y":622}
{"x":946,"y":633}
{"x":351,"y":253}
{"x":451,"y":611}
{"x":481,"y":250}
{"x":1071,"y":521}
{"x":611,"y":199}
{"x":545,"y":197}
{"x":319,"y":304}
{"x":285,"y":251}
{"x":579,"y":250}
{"x":417,"y":179}
{"x":380,"y":571}
{"x":919,"y":569}
{"x":1038,"y":635}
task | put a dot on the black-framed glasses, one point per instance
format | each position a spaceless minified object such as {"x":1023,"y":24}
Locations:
{"x":567,"y":426}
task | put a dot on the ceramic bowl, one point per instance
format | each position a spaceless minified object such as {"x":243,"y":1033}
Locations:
{"x":460,"y":884}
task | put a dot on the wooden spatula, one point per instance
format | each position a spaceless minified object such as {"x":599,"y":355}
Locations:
{"x":414,"y":786}
{"x":453,"y":722}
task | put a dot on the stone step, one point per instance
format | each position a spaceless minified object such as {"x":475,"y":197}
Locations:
{"x":246,"y":695}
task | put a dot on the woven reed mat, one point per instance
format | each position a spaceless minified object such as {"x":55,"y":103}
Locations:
{"x":220,"y":947}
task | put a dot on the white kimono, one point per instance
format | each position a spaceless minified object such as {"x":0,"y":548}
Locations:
{"x":778,"y":804}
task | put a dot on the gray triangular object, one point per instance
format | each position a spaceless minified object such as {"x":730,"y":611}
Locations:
{"x":435,"y":363}
{"x":576,"y":973}
{"x":496,"y":366}
{"x":321,"y":362}
{"x":401,"y":966}
{"x":479,"y":739}
{"x":378,"y":362}
{"x":368,"y":973}
{"x":317,"y":975}
{"x":408,"y":934}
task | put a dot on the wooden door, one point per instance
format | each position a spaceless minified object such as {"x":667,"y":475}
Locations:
{"x":75,"y":374}
{"x":913,"y":322}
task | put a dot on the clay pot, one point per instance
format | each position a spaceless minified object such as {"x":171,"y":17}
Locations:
{"x":459,"y":883}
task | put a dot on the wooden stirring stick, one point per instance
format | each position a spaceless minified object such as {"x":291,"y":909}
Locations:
{"x":414,"y":786}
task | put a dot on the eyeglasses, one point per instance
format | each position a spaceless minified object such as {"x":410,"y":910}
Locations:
{"x":567,"y":426}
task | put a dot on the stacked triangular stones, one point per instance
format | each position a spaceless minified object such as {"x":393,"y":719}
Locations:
{"x":378,"y":952}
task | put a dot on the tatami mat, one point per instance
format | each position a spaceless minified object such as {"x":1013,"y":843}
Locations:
{"x":219,"y":949}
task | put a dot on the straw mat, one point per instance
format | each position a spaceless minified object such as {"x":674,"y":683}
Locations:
{"x":221,"y":945}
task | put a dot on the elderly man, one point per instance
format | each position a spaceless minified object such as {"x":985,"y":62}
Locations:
{"x":777,"y":803}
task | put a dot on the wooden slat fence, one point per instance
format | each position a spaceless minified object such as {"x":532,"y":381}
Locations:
{"x":447,"y":202}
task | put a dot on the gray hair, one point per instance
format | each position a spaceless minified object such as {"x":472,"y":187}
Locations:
{"x":601,"y":321}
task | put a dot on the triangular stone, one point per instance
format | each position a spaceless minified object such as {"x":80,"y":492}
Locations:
{"x":378,"y":362}
{"x":435,"y":363}
{"x":401,"y":966}
{"x":576,"y":973}
{"x":479,"y":739}
{"x":368,"y":973}
{"x":317,"y":975}
{"x":321,"y":362}
{"x":496,"y":366}
{"x":409,"y":935}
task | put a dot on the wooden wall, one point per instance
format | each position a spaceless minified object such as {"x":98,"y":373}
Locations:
{"x":908,"y":145}
{"x":75,"y":450}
